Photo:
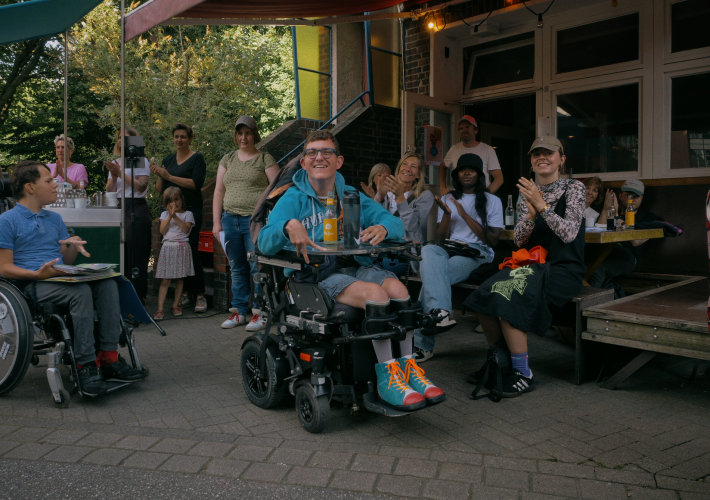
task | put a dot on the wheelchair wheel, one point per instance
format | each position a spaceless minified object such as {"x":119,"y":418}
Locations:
{"x":16,"y":337}
{"x":313,"y":411}
{"x":65,"y":399}
{"x":263,"y":394}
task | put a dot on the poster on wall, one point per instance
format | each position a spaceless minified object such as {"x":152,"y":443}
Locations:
{"x":433,"y":145}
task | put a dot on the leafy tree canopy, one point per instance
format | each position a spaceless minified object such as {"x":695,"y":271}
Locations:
{"x":205,"y":76}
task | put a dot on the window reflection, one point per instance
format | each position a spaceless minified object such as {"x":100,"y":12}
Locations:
{"x":599,"y":129}
{"x":690,"y":122}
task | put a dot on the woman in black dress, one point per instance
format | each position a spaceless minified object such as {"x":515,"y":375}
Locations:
{"x":186,"y":169}
{"x":515,"y":301}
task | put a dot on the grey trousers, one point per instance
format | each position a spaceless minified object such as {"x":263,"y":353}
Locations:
{"x":81,"y":299}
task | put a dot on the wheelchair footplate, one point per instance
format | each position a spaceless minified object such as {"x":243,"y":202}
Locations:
{"x":373,"y":403}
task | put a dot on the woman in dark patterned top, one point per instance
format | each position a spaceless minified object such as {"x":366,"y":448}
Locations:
{"x":514,"y":302}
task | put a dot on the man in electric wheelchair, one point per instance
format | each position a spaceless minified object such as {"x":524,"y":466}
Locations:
{"x":32,"y":241}
{"x":297,"y":219}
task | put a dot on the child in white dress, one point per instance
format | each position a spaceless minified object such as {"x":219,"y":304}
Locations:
{"x":175,"y":261}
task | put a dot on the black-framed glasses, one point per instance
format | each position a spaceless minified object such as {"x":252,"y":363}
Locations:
{"x":325,"y":152}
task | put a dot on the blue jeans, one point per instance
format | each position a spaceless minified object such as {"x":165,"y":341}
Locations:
{"x":237,"y":239}
{"x":438,"y":272}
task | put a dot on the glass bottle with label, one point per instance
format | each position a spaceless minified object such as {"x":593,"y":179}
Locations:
{"x":330,"y":222}
{"x":630,"y":215}
{"x":611,"y":215}
{"x":510,"y":214}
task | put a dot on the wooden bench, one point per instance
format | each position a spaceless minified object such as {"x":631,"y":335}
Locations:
{"x":587,"y":297}
{"x":670,"y":319}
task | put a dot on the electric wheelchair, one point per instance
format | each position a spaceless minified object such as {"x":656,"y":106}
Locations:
{"x":29,"y":330}
{"x":316,"y":349}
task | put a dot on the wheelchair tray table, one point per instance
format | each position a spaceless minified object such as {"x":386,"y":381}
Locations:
{"x":361,"y":249}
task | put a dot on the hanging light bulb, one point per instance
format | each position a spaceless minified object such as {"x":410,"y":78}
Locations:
{"x":431,"y":25}
{"x":539,"y":21}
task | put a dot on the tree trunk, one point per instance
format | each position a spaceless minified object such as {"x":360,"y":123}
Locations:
{"x":27,"y":57}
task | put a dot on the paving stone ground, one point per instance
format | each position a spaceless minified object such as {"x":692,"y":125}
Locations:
{"x":650,"y":438}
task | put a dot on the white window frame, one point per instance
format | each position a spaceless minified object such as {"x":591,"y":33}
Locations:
{"x":493,"y":50}
{"x":662,"y":14}
{"x":505,"y":89}
{"x":590,"y":15}
{"x":645,"y":166}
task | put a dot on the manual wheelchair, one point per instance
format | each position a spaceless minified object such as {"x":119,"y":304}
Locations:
{"x":29,"y":329}
{"x":320,"y":351}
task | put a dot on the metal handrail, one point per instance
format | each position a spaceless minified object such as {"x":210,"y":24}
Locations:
{"x":358,"y":98}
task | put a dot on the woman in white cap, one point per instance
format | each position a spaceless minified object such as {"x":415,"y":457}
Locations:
{"x":515,"y":301}
{"x":242,"y":177}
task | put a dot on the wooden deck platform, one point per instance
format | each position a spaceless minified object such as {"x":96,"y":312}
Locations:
{"x":671,"y":320}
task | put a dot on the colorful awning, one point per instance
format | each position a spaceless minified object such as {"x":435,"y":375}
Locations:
{"x":40,"y":18}
{"x":156,"y":12}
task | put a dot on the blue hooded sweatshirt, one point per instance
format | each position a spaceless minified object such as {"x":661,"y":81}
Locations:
{"x":301,"y":202}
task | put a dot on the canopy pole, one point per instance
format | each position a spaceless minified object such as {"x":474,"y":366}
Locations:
{"x":66,"y":104}
{"x":122,"y":132}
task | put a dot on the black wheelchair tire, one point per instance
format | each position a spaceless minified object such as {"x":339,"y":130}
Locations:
{"x":262,"y":395}
{"x":313,"y":411}
{"x":18,"y":313}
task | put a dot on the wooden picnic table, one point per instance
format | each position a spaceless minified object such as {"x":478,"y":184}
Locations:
{"x":606,"y":240}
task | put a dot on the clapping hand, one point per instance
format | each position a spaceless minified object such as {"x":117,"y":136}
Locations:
{"x":114,"y":168}
{"x":159,"y":171}
{"x":368,"y":190}
{"x":459,"y":208}
{"x":394,"y":186}
{"x":442,"y":205}
{"x":532,"y":196}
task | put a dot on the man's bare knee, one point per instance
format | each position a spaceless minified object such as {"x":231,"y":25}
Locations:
{"x":395,"y":289}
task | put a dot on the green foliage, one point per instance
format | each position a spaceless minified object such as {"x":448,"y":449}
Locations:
{"x":200,"y":75}
{"x":205,"y":76}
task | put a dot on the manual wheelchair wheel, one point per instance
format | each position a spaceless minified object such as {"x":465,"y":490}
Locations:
{"x":263,"y":393}
{"x":313,"y":411}
{"x":16,"y":337}
{"x":64,"y":399}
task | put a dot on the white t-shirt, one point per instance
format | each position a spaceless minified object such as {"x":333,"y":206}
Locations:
{"x":392,"y":207}
{"x":139,"y":171}
{"x":487,"y":154}
{"x":590,"y":212}
{"x":174,"y":232}
{"x":459,"y":230}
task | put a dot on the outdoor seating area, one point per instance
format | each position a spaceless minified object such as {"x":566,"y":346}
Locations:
{"x":451,"y":249}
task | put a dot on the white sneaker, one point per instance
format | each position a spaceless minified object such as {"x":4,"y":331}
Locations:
{"x":420,"y":355}
{"x":258,"y":322}
{"x":444,"y":322}
{"x":235,"y":319}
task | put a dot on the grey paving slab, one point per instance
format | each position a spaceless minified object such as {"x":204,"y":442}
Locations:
{"x":145,"y":460}
{"x":649,"y":439}
{"x":182,"y":463}
{"x":106,"y":456}
{"x":68,"y":454}
{"x":309,"y":476}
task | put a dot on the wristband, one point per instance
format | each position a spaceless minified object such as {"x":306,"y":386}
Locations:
{"x":545,"y":209}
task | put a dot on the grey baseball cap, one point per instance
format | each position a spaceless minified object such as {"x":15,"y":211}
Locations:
{"x":547,"y":142}
{"x":633,"y":186}
{"x":248,"y":121}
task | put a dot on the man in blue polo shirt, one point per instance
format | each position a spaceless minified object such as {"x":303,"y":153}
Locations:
{"x":32,"y":240}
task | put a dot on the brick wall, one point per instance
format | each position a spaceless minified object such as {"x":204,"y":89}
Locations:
{"x":416,"y":38}
{"x":370,"y":136}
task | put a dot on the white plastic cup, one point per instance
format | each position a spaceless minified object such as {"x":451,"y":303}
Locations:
{"x":70,"y":202}
{"x":590,"y":221}
{"x":79,"y":203}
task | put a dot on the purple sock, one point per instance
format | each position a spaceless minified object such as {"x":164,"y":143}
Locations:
{"x":520,"y":363}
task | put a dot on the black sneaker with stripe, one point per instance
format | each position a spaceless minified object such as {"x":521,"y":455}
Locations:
{"x":515,"y":384}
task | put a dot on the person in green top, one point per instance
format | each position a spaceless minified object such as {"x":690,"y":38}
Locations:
{"x":242,"y":177}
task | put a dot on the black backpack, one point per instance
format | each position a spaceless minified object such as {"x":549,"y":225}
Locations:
{"x":272,"y":194}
